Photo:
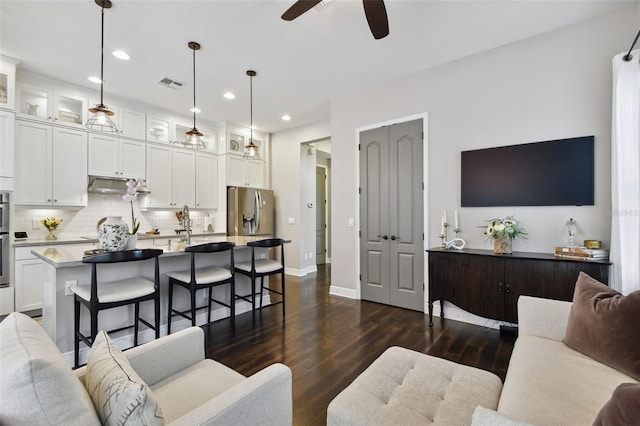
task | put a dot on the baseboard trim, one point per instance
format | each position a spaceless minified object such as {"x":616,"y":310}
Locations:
{"x":455,"y":313}
{"x":301,"y":272}
{"x":343,"y":292}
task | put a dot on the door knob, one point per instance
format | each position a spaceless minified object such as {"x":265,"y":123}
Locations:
{"x":384,"y":237}
{"x":393,"y":238}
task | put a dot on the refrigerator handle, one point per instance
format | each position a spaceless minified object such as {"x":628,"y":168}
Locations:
{"x":258,"y":211}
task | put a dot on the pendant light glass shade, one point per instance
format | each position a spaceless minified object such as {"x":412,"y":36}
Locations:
{"x":251,"y":150}
{"x":101,"y":119}
{"x":194,"y":136}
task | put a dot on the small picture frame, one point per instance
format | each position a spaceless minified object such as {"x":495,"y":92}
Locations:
{"x":236,"y":143}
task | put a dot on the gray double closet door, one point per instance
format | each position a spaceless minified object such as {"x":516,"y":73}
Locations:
{"x":391,"y":215}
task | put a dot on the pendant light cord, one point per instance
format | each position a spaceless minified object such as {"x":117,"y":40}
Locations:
{"x":194,"y":88}
{"x":102,"y":61}
{"x":628,"y":56}
{"x":251,"y":108}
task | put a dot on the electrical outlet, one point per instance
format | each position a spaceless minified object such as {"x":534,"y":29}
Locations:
{"x":67,"y":287}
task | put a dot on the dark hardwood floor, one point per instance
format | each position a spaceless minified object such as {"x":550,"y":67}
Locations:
{"x":328,"y":340}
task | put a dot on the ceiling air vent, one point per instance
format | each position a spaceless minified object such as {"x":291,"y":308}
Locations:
{"x":171,"y":83}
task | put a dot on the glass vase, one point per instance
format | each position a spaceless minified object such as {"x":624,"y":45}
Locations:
{"x":502,"y":245}
{"x":51,"y":235}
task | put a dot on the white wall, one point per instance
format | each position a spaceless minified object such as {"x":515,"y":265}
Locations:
{"x":552,"y":86}
{"x":286,"y":183}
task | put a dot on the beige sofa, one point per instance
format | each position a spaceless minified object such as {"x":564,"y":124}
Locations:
{"x":547,"y":383}
{"x":38,"y":387}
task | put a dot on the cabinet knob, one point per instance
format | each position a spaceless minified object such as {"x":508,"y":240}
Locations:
{"x":49,"y":200}
{"x":55,"y":201}
{"x":499,"y":286}
{"x":508,"y":288}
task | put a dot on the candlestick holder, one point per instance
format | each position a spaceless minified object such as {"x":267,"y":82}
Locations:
{"x":443,"y":236}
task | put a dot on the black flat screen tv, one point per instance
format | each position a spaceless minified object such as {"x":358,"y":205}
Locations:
{"x":551,"y":173}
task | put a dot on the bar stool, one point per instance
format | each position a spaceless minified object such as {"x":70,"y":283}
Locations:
{"x":260,"y":268}
{"x":101,"y":295}
{"x":207,"y":277}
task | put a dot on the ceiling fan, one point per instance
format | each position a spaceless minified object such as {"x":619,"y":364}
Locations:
{"x":374,"y":10}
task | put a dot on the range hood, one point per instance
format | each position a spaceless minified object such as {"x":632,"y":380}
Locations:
{"x":109,"y":186}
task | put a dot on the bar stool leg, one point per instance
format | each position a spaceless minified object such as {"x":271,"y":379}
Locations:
{"x":170,"y":306}
{"x":136,"y":318}
{"x":253,"y":297}
{"x":76,"y":330}
{"x":157,"y":312}
{"x":193,"y":307}
{"x":261,"y":290}
{"x":94,"y":325}
{"x":209,"y":312}
{"x":283,"y":298}
{"x":232,"y":305}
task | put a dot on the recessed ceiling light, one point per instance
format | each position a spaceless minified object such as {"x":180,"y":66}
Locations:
{"x":121,"y":54}
{"x":229,"y":95}
{"x":196,"y":110}
{"x":95,"y":80}
{"x":286,"y":117}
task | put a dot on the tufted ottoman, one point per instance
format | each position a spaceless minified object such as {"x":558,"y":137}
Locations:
{"x":404,"y":387}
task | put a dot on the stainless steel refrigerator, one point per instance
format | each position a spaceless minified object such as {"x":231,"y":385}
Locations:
{"x":250,"y":211}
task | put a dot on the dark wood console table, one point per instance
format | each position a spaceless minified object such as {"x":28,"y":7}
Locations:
{"x":489,"y":285}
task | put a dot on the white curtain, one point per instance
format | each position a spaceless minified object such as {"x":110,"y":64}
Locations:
{"x":625,"y":175}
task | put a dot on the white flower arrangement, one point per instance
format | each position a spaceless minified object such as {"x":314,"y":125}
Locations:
{"x":505,"y":228}
{"x":133,"y":186}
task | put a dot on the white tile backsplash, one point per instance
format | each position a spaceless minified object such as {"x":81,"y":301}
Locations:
{"x":83,"y":223}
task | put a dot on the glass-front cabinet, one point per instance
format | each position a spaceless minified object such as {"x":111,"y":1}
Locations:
{"x":39,"y":103}
{"x":8,"y":82}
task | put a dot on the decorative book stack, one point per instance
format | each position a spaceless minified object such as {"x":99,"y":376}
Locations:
{"x":582,"y":253}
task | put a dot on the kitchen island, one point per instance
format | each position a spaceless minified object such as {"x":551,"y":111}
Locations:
{"x":63,"y":266}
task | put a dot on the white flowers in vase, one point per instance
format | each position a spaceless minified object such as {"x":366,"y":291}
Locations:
{"x":133,"y":186}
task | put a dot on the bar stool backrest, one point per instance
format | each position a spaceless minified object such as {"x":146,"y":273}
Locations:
{"x":123,"y":256}
{"x":210,"y":247}
{"x":269,"y":242}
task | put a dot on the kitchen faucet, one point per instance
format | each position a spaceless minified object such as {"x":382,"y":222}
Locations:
{"x":186,"y":223}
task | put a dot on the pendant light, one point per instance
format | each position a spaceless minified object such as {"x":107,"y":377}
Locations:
{"x":194,"y":135}
{"x":251,"y":150}
{"x":101,"y":113}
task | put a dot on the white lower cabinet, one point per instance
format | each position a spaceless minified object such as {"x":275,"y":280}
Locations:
{"x":241,"y":172}
{"x":28,"y":282}
{"x":170,"y":177}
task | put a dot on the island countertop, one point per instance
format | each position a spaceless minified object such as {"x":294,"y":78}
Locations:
{"x":69,"y":255}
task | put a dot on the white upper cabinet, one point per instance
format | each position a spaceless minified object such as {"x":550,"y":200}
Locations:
{"x":8,"y":82}
{"x":241,"y":172}
{"x":7,"y":129}
{"x":131,"y":123}
{"x":170,"y":177}
{"x":110,"y":156}
{"x":56,"y":106}
{"x":51,"y":166}
{"x":206,"y":181}
{"x":158,"y":130}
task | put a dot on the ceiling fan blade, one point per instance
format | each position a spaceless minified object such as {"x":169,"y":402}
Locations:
{"x":298,"y":8}
{"x":376,"y":17}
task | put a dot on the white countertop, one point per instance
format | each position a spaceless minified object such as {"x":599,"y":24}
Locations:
{"x":34,"y":242}
{"x":69,"y":255}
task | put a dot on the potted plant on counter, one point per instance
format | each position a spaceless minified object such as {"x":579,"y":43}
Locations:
{"x":133,"y":187}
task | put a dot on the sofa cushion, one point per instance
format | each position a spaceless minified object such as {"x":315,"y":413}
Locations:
{"x":549,"y":383}
{"x":176,"y":395}
{"x":623,"y":408}
{"x":118,"y":393}
{"x":603,"y":324}
{"x":404,"y":387}
{"x":37,"y":386}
